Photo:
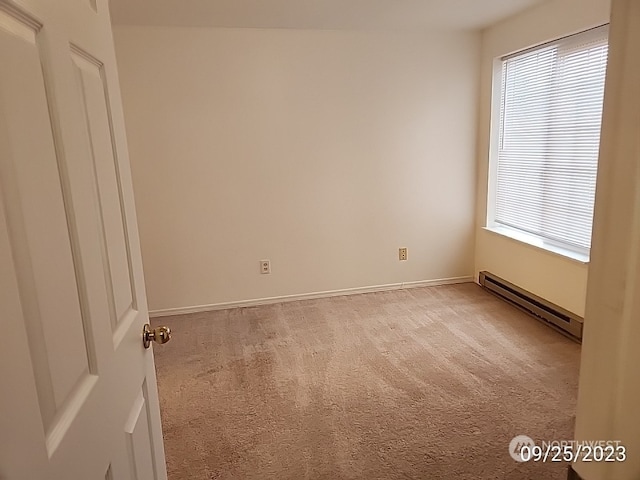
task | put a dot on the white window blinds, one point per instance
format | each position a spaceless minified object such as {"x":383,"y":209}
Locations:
{"x":550,"y":116}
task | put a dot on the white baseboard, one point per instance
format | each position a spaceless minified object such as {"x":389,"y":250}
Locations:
{"x":307,"y":296}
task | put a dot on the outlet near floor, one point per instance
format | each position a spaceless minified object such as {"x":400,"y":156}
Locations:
{"x":265,"y":266}
{"x":402,"y":253}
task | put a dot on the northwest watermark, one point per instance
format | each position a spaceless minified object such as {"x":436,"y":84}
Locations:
{"x":523,"y":448}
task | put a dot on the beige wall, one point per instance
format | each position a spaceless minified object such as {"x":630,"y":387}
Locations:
{"x":323,"y":151}
{"x":551,"y":276}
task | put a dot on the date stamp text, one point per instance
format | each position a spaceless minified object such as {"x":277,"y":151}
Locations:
{"x":523,"y":448}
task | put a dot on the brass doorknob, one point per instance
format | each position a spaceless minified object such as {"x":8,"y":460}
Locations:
{"x":159,"y":335}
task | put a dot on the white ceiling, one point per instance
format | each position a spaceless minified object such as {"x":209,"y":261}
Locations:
{"x":318,"y":14}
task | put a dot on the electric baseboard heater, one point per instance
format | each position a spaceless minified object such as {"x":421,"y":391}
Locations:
{"x":557,"y":317}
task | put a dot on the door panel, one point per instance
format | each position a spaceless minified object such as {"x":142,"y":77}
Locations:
{"x":117,"y":263}
{"x":79,"y":391}
{"x":45,"y":267}
{"x":138,"y":439}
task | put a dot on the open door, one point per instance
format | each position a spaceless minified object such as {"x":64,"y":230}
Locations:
{"x":78,"y":396}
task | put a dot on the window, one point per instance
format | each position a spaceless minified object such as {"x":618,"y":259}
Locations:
{"x":548,"y":140}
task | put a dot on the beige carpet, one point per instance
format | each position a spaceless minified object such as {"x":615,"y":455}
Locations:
{"x":426,"y":383}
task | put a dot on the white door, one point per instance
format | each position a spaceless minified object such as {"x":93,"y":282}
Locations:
{"x":78,"y":396}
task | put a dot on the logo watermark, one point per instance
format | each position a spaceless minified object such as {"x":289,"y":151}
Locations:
{"x":516,"y":444}
{"x":523,"y":448}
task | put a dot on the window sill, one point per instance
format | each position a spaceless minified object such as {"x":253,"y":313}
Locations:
{"x":540,"y":243}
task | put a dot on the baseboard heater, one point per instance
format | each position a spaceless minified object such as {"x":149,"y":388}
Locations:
{"x":557,"y":317}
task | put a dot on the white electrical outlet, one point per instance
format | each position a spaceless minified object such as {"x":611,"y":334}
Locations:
{"x":402,"y":253}
{"x":265,"y":266}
